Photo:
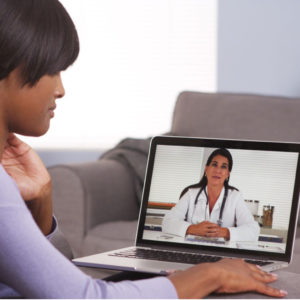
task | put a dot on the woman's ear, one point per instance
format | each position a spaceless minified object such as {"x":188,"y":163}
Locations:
{"x":205,"y":171}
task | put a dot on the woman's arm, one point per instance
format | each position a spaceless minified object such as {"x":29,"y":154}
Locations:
{"x":33,"y":268}
{"x":247,"y":229}
{"x":174,"y":220}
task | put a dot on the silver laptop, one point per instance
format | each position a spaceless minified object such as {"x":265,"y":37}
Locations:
{"x":267,"y":176}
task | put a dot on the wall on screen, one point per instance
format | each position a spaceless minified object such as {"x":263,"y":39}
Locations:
{"x":268,"y":177}
{"x":175,"y":167}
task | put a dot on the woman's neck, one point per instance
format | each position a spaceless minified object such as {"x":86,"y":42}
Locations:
{"x":214,"y":192}
{"x":213,"y":195}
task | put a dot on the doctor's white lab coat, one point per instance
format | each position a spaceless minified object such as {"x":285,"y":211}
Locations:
{"x":236,"y":215}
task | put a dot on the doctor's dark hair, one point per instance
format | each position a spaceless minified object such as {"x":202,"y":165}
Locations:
{"x":203,"y":181}
{"x":37,"y":36}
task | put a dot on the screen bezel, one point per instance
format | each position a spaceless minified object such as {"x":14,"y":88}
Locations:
{"x":229,"y":144}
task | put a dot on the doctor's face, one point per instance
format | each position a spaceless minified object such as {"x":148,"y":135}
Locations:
{"x":217,"y":171}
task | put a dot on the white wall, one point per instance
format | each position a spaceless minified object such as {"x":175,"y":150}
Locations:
{"x":259,"y":46}
{"x":136,"y":56}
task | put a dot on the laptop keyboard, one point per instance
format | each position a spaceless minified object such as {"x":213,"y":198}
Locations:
{"x":172,"y":256}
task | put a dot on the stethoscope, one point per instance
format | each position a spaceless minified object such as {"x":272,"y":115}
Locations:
{"x":220,"y":220}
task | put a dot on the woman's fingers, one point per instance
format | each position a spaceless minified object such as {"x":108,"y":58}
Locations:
{"x":212,"y":229}
{"x":261,"y":275}
{"x":268,"y":290}
{"x":262,"y":278}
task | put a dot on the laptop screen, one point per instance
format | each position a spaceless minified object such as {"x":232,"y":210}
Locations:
{"x":221,"y":194}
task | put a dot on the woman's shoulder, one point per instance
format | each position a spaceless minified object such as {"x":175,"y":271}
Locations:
{"x":193,"y":190}
{"x":235,"y":193}
{"x":9,"y":193}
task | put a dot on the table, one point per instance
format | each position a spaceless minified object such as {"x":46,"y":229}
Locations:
{"x":286,"y":281}
{"x":259,"y":246}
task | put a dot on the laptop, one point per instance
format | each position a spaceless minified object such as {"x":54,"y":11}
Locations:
{"x":267,"y":174}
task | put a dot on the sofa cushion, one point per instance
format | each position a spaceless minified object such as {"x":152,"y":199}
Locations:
{"x":237,"y":116}
{"x":109,"y":236}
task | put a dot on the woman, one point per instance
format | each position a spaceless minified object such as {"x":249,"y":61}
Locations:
{"x":37,"y":41}
{"x":213,"y":208}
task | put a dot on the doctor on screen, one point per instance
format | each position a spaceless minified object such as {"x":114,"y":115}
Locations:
{"x":213,"y":208}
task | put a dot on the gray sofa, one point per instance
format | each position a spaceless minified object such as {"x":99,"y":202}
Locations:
{"x":95,"y":202}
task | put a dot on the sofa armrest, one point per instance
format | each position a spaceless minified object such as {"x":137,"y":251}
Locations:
{"x":88,"y":194}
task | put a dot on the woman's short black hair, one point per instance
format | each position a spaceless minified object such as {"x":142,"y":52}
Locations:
{"x":38,"y":36}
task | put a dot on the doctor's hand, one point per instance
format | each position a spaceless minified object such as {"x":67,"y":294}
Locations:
{"x":208,"y":229}
{"x":224,"y":276}
{"x":32,"y":179}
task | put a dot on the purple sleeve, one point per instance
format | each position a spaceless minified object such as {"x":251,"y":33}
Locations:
{"x":32,"y":268}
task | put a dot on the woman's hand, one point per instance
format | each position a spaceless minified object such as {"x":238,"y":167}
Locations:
{"x":208,"y":229}
{"x":225,"y":276}
{"x":32,"y":179}
{"x":239,"y":276}
{"x":204,"y":228}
